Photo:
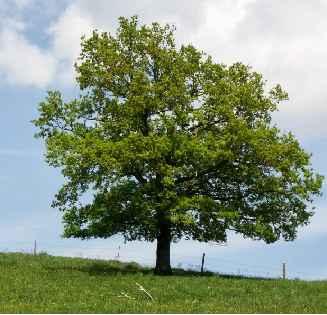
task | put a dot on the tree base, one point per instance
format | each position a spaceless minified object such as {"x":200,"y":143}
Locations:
{"x":167,"y":271}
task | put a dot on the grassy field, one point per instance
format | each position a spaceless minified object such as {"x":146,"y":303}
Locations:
{"x":47,"y":284}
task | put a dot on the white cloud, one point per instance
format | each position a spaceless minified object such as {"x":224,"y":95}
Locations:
{"x":67,"y":32}
{"x":81,"y":17}
{"x":317,"y":226}
{"x":20,"y":4}
{"x":66,"y":35}
{"x":22,"y":62}
{"x":284,"y":41}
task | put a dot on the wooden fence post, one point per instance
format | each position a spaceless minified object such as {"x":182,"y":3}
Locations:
{"x":202,"y":263}
{"x":284,"y":271}
{"x":34,"y":248}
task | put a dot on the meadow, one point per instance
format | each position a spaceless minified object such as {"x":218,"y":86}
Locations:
{"x":49,"y":284}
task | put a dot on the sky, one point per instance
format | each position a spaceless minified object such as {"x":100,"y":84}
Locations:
{"x":285,"y":40}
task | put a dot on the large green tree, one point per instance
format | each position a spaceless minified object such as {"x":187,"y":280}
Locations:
{"x":171,"y":144}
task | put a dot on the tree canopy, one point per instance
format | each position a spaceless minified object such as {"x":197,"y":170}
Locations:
{"x":172,"y":144}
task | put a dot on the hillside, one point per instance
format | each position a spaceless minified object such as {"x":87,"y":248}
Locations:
{"x":47,"y":284}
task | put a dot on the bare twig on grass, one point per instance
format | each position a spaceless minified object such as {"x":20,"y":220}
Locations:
{"x":141,"y":288}
{"x":125,"y":295}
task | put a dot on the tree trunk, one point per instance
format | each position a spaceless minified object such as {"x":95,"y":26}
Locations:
{"x":163,"y":251}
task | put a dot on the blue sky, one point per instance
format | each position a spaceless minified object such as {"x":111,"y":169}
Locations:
{"x":286,"y":40}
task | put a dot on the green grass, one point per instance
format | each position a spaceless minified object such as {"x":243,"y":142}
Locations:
{"x":47,"y":284}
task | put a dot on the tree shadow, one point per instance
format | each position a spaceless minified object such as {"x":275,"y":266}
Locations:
{"x":245,"y":277}
{"x":113,"y":268}
{"x":105,"y":268}
{"x":121,"y":268}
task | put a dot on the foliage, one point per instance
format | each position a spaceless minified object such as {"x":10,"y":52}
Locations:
{"x":46,"y":284}
{"x":165,"y":134}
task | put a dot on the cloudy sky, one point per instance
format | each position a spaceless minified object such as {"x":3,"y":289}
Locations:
{"x":286,"y":40}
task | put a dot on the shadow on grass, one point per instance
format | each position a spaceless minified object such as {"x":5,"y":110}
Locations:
{"x":105,"y":268}
{"x":116,"y":267}
{"x":121,"y":268}
{"x":243,"y":277}
{"x":134,"y":268}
